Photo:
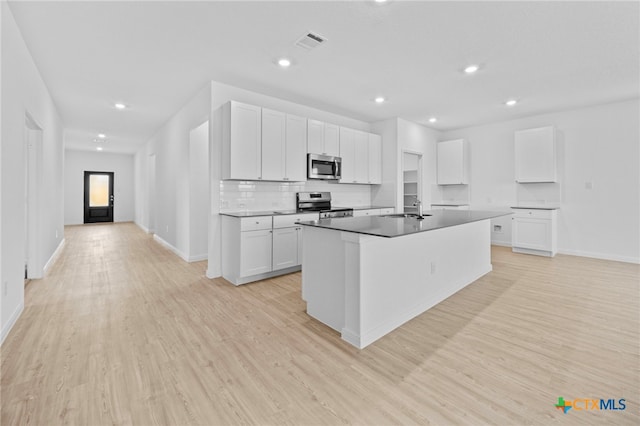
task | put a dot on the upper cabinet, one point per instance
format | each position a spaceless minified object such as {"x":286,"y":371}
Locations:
{"x":263,"y":144}
{"x":535,"y":155}
{"x":453,"y":162}
{"x":375,"y":159}
{"x":241,"y":141}
{"x":322,"y":138}
{"x":361,"y":156}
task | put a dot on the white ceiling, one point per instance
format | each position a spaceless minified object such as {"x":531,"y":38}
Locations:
{"x":155,"y":56}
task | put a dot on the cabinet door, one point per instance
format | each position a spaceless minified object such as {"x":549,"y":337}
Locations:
{"x":285,"y":248}
{"x":348,"y":154}
{"x":296,"y":149}
{"x":331,"y":140}
{"x":246,"y":141}
{"x":315,"y":137}
{"x":255,"y":252}
{"x":535,"y":155}
{"x":451,"y":162}
{"x":361,"y":157}
{"x":299,"y":230}
{"x":273,"y":145}
{"x":532,"y":233}
{"x":375,"y":159}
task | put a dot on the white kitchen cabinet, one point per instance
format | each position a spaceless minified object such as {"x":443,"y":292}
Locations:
{"x":535,"y":155}
{"x":534,"y":231}
{"x":273,"y":144}
{"x":296,"y":149}
{"x":323,"y":138}
{"x":285,"y":248}
{"x":255,"y":252}
{"x":453,"y":162}
{"x":361,"y":157}
{"x":348,"y":155}
{"x":241,"y":141}
{"x":367,"y":212}
{"x":449,"y":207}
{"x":387,"y":210}
{"x":375,"y":159}
{"x":361,"y":153}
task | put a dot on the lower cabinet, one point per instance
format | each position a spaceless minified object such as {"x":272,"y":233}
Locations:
{"x":285,"y":248}
{"x":255,"y":252}
{"x":449,"y":207}
{"x":373,"y":212}
{"x":534,"y":231}
{"x":260,"y":247}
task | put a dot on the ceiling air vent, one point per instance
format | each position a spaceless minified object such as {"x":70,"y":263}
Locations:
{"x":310,"y":40}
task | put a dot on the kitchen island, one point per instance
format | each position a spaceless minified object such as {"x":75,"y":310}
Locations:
{"x":366,"y":276}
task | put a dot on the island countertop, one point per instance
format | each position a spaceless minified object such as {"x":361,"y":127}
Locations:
{"x":389,"y":227}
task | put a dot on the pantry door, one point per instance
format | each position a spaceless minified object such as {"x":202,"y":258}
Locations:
{"x":98,"y":197}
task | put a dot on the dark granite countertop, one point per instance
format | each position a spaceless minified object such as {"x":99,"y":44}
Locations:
{"x":363,"y":207}
{"x":381,"y":226}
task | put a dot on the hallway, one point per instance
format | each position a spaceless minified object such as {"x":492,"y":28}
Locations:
{"x":122,"y":331}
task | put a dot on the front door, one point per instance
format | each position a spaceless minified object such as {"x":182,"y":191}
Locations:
{"x":98,"y":197}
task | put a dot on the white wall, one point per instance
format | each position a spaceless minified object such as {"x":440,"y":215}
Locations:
{"x":23,"y":91}
{"x":599,"y":144}
{"x":170,"y":146}
{"x":77,"y":162}
{"x":199,"y":192}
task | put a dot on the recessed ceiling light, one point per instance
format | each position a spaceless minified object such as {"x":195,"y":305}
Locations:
{"x":471,"y":69}
{"x":511,"y":102}
{"x":120,"y":105}
{"x":380,"y":1}
{"x":380,"y":99}
{"x":284,"y":62}
{"x":433,"y":120}
{"x":99,"y":148}
{"x":102,"y":135}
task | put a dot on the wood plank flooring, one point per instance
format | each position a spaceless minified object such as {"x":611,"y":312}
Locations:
{"x":121,"y":331}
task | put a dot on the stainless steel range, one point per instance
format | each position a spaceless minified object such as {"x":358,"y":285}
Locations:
{"x":320,"y":202}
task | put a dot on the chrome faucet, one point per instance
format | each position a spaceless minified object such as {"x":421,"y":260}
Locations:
{"x":418,"y":203}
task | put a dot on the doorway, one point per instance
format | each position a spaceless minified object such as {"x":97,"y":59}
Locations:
{"x":411,"y":181}
{"x":98,"y":197}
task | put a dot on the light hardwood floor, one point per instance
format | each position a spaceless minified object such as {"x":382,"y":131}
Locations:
{"x":121,"y":331}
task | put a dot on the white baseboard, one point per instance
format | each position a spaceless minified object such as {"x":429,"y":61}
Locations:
{"x":500,"y":243}
{"x":198,"y":257}
{"x":603,"y":256}
{"x":54,"y":257}
{"x":170,"y":247}
{"x":141,"y":226}
{"x":12,"y":320}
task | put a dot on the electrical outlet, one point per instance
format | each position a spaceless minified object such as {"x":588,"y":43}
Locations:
{"x":56,"y":234}
{"x":588,"y":185}
{"x":167,"y":228}
{"x":6,"y":288}
{"x":497,"y":229}
{"x":433,"y":268}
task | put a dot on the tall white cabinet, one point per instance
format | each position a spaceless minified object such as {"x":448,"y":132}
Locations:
{"x":535,"y":155}
{"x":241,"y":141}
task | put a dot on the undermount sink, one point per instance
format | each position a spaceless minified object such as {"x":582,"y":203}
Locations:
{"x":405,"y":215}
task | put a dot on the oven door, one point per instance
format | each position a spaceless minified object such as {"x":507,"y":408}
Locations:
{"x":323,"y":167}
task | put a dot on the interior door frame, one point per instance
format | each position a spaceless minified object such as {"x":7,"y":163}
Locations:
{"x":87,"y":209}
{"x":33,"y":135}
{"x":420,"y":191}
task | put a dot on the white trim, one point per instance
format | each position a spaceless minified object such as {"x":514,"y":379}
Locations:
{"x":603,"y":256}
{"x":141,"y":226}
{"x":500,"y":243}
{"x":170,"y":247}
{"x":198,"y":257}
{"x":11,"y":322}
{"x":54,"y":256}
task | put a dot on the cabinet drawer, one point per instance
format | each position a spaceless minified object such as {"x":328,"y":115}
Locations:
{"x":255,"y":223}
{"x":389,"y":210}
{"x":532,"y":213}
{"x":289,"y":220}
{"x":369,"y":212}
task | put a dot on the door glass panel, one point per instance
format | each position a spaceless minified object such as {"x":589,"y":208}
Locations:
{"x":98,"y":190}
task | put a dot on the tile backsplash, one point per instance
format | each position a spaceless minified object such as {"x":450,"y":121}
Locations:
{"x":265,"y":196}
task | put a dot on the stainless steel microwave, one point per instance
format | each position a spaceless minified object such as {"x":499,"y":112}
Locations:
{"x":324,"y":167}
